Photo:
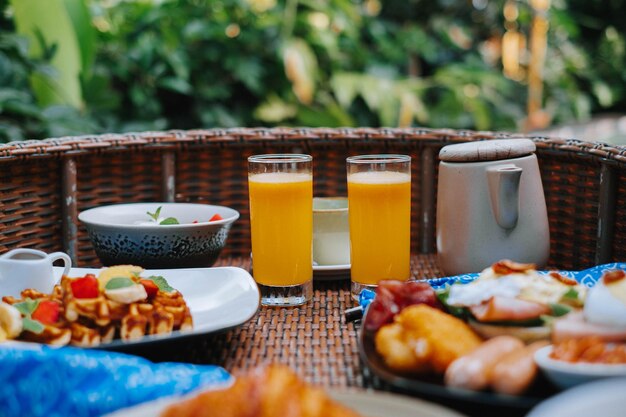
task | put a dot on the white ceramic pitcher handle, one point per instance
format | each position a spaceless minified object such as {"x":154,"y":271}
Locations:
{"x":67,"y":261}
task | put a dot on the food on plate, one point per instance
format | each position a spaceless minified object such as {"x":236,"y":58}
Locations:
{"x":424,"y":339}
{"x":156,"y":218}
{"x":502,"y":363}
{"x":589,"y":349}
{"x":393,"y":296}
{"x":604,"y":313}
{"x":271,"y":391}
{"x":516,"y":308}
{"x":515,"y":299}
{"x":90,"y":310}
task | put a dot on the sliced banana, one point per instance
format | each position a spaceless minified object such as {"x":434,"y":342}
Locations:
{"x":127,"y":295}
{"x":10,"y":320}
{"x":122,"y":271}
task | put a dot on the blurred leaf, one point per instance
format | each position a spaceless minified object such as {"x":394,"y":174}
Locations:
{"x":249,"y":71}
{"x":480,"y":113}
{"x":301,"y":68}
{"x":345,"y":86}
{"x":9,"y":132}
{"x":175,"y":84}
{"x":7,"y":94}
{"x":341,"y":116}
{"x":411,"y":107}
{"x":20,"y":108}
{"x":603,"y":93}
{"x":275,"y":110}
{"x":317,"y":117}
{"x":84,"y":32}
{"x":50,"y":18}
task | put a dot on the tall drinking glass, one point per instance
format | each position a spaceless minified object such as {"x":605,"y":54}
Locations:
{"x":281,"y":218}
{"x":379,"y":201}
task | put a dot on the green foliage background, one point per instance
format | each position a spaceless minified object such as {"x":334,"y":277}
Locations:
{"x":178,"y":64}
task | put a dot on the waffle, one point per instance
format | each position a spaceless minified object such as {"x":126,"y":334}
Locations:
{"x":90,"y":322}
{"x":57,"y":334}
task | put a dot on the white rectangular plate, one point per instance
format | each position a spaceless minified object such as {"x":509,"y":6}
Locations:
{"x":219,"y":299}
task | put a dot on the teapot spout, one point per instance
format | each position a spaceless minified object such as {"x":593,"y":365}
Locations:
{"x":504,"y":192}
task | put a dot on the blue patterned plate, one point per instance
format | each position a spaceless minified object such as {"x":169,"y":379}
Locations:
{"x":587,"y":277}
{"x":464,"y":400}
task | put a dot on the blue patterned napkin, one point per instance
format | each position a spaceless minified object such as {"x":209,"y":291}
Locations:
{"x":587,"y":277}
{"x":38,"y":380}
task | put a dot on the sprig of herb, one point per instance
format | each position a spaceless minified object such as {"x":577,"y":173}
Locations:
{"x":26,"y":308}
{"x":118,"y":282}
{"x":571,"y":294}
{"x":161,"y":283}
{"x":155,"y":216}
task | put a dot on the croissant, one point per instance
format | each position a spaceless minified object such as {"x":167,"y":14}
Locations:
{"x":274,"y":391}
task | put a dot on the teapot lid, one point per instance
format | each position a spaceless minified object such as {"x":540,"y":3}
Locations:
{"x":487,"y":150}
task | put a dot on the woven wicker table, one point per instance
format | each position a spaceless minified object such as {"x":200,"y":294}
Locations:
{"x":315,"y":339}
{"x":44,"y":184}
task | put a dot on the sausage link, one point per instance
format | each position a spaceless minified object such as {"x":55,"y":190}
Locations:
{"x":473,"y":371}
{"x":517,"y":370}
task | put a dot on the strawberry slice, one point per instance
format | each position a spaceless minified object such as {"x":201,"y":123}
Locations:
{"x":47,"y":312}
{"x":151,"y":288}
{"x":85,"y":287}
{"x":216,"y":217}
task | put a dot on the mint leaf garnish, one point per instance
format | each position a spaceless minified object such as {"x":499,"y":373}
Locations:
{"x":27,"y":306}
{"x":156,"y":214}
{"x":559,"y":310}
{"x":32,"y":325}
{"x":571,"y":294}
{"x":161,"y":283}
{"x":118,"y":282}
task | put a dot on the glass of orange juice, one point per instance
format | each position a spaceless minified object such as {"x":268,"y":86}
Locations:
{"x":281,"y":220}
{"x":379,"y":207}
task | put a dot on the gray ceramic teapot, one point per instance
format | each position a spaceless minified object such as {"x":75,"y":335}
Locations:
{"x":490,"y":206}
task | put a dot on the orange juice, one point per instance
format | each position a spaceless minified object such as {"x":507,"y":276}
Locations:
{"x":281,"y":217}
{"x":380,"y":226}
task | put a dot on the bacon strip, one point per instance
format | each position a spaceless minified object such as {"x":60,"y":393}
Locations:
{"x":613,"y":276}
{"x":505,"y":309}
{"x":562,"y":278}
{"x":506,"y":267}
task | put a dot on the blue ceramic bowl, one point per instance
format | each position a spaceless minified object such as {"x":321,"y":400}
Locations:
{"x":126,"y":234}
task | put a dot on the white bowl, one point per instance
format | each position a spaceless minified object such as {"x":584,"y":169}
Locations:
{"x":599,"y":398}
{"x":566,"y":374}
{"x":122,"y":234}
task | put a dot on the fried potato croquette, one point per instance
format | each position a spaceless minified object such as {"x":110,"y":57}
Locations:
{"x":423,"y":339}
{"x":265,"y":392}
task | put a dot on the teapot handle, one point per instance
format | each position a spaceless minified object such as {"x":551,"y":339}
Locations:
{"x":504,"y":192}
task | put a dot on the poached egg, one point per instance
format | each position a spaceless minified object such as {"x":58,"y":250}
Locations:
{"x":527,"y":285}
{"x":606,"y":301}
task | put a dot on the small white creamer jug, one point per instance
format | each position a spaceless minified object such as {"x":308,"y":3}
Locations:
{"x":29,"y":268}
{"x":490,"y":206}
